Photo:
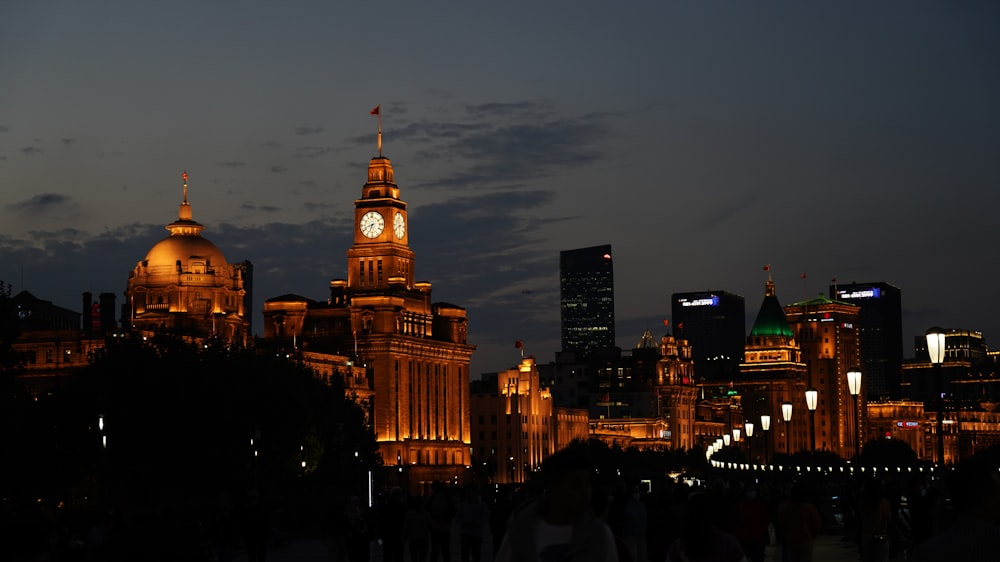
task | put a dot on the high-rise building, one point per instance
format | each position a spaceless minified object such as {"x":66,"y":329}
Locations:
{"x":827,"y":333}
{"x":185,"y":285}
{"x":587,"y":301}
{"x":881,"y":334}
{"x":714,"y":323}
{"x":415,"y":351}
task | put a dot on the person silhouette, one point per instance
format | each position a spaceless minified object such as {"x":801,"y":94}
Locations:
{"x":559,"y":525}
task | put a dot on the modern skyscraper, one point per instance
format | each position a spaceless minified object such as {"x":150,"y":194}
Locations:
{"x":714,"y":323}
{"x":587,"y":301}
{"x":881,"y":335}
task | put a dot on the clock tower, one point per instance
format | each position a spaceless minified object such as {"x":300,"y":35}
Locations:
{"x":381,"y":254}
{"x":412,"y":350}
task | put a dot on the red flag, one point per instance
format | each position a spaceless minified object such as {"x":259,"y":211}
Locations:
{"x":184,"y":176}
{"x":666,"y":322}
{"x":767,"y":267}
{"x":803,"y":275}
{"x":519,"y":344}
{"x":834,"y":280}
{"x":376,"y":111}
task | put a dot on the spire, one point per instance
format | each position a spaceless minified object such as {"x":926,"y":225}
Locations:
{"x":378,"y":113}
{"x":184,"y":213}
{"x":184,"y":225}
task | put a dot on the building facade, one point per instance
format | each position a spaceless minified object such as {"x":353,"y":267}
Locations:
{"x":715,"y":324}
{"x":185,"y":285}
{"x":880,"y":329}
{"x":827,"y":333}
{"x":51,"y":342}
{"x":587,"y":301}
{"x":415,"y":351}
{"x":773,"y":373}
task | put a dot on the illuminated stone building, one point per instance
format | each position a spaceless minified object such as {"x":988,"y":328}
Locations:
{"x":646,"y":400}
{"x":513,"y":423}
{"x":184,"y":285}
{"x":904,"y":420}
{"x":827,"y":333}
{"x":772,"y":373}
{"x":414,"y":351}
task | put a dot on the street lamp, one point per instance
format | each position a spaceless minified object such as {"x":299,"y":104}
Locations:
{"x":854,"y":387}
{"x":736,"y":434}
{"x":748,"y":428}
{"x":786,"y":414}
{"x":812,"y":395}
{"x":726,"y":439}
{"x":765,"y":426}
{"x":935,"y":349}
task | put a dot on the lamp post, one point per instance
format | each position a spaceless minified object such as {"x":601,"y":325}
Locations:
{"x":748,"y":429}
{"x":725,"y":439}
{"x":812,"y":396}
{"x":935,"y":349}
{"x":786,"y":414}
{"x":854,"y":387}
{"x":765,"y":426}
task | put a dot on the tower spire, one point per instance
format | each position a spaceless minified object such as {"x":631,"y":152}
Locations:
{"x":378,"y":113}
{"x":184,"y":212}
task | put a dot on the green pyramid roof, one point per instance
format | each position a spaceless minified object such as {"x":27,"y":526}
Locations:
{"x":771,"y":320}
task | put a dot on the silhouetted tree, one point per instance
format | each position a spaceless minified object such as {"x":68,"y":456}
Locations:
{"x":888,"y":453}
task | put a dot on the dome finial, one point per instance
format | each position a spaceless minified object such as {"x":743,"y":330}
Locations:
{"x":184,"y":213}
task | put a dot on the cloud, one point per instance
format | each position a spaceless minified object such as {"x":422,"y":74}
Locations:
{"x":4,"y":128}
{"x":503,"y":144}
{"x":312,"y":151}
{"x":319,"y":207}
{"x":68,"y":141}
{"x":29,"y":150}
{"x":41,"y":203}
{"x":278,"y":169}
{"x":302,"y":131}
{"x":232,"y":164}
{"x":251,"y":206}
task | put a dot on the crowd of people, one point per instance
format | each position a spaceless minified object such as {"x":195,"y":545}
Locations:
{"x":572,"y":513}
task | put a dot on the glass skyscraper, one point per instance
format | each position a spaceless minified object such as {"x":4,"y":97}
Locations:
{"x":587,"y":300}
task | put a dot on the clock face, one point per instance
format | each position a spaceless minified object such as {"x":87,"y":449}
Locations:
{"x":372,"y":224}
{"x":399,"y":225}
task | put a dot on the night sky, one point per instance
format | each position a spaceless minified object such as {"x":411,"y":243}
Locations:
{"x":702,"y":140}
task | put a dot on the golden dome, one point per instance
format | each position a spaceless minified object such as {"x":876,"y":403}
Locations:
{"x":185,"y":244}
{"x":185,"y":248}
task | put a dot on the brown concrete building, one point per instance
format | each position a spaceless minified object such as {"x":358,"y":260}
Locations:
{"x":516,"y":424}
{"x":827,"y":333}
{"x":185,"y":285}
{"x":414,"y":351}
{"x":51,"y":343}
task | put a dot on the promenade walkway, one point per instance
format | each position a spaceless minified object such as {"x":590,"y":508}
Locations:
{"x":829,"y":548}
